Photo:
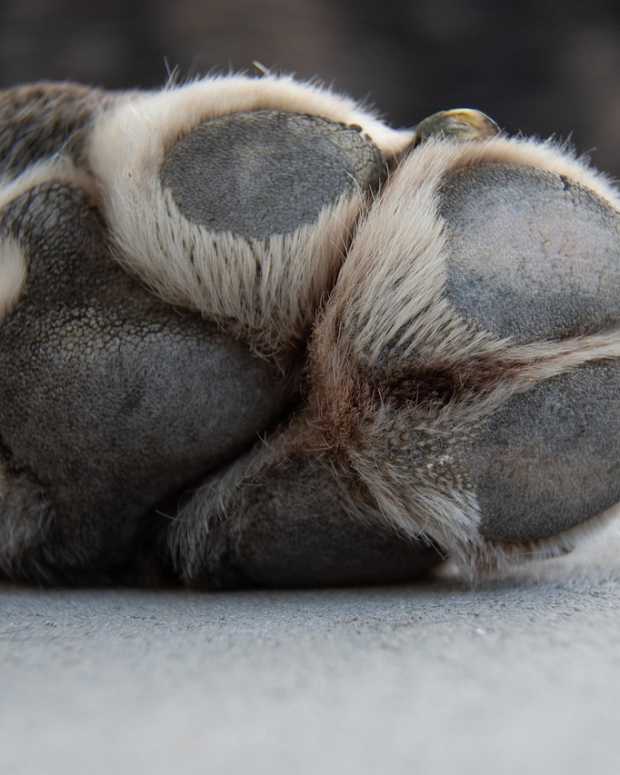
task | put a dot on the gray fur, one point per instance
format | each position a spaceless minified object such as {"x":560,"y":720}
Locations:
{"x":549,"y":459}
{"x":111,"y":400}
{"x":266,"y":172}
{"x":42,"y":119}
{"x":532,"y":255}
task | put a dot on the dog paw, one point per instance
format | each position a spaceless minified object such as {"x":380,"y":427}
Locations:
{"x":160,"y":279}
{"x":233,"y":199}
{"x":467,"y":365}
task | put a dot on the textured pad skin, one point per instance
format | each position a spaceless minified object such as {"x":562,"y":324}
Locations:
{"x":549,"y":459}
{"x":266,"y":172}
{"x":532,"y":255}
{"x":109,"y":399}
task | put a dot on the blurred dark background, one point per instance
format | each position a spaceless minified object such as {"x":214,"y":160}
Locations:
{"x":539,"y":67}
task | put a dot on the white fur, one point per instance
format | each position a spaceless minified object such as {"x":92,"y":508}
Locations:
{"x":13,"y":263}
{"x":12,"y":275}
{"x":271,"y":302}
{"x":59,"y":169}
{"x":147,"y":124}
{"x":224,"y":277}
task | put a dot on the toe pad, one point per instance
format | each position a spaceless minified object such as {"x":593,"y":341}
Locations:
{"x":548,"y":459}
{"x":265,"y":172}
{"x":531,"y":255}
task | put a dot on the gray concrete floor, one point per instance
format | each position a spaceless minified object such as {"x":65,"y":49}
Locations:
{"x":521,"y":676}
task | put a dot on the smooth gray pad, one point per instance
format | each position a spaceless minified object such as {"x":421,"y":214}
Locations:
{"x":531,"y":254}
{"x":549,"y":459}
{"x":289,"y":529}
{"x":266,"y":172}
{"x":110,"y":399}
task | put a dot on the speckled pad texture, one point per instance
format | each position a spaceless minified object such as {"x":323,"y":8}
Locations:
{"x":532,"y":255}
{"x":549,"y":459}
{"x":110,"y":400}
{"x":266,"y":172}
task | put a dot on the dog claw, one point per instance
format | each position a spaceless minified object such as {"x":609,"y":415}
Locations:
{"x":460,"y":124}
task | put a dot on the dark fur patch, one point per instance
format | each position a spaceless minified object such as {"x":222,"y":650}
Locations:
{"x":40,"y":120}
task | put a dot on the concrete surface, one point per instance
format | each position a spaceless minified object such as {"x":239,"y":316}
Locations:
{"x":520,"y":676}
